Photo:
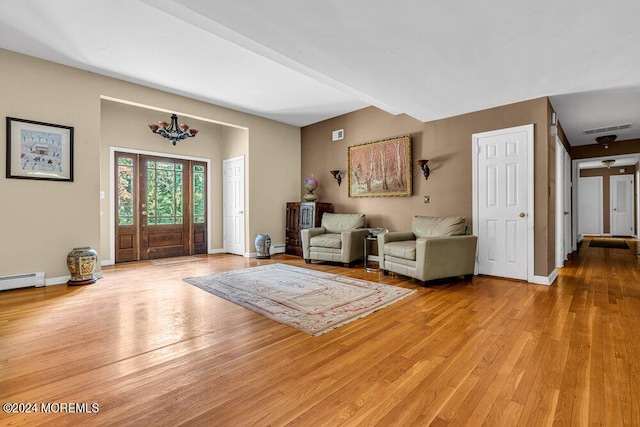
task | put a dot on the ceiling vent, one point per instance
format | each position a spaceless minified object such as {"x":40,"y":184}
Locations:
{"x":607,"y":128}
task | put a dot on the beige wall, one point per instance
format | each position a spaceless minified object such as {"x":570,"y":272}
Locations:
{"x":121,"y":128}
{"x":447,"y":144}
{"x":42,"y":221}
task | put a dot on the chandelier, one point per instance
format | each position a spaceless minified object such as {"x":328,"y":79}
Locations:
{"x":173,"y":132}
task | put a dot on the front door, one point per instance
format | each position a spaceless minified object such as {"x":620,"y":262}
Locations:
{"x":165,"y":232}
{"x":502,"y":211}
{"x":161,"y":209}
{"x":621,"y":188}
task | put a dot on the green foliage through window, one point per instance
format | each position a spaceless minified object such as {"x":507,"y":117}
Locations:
{"x":164,"y":204}
{"x":125,"y":191}
{"x":164,"y":193}
{"x":198,"y":194}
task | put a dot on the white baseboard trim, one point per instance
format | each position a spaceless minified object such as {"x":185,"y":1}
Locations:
{"x":277,"y":249}
{"x":273,"y":250}
{"x":56,"y":280}
{"x":548,"y":281}
{"x":215,"y":251}
{"x":64,"y":279}
{"x":106,"y":262}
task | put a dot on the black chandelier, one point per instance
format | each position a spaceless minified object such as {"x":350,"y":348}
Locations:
{"x":173,"y":132}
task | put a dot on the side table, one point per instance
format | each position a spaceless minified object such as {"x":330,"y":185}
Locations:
{"x":371,"y":237}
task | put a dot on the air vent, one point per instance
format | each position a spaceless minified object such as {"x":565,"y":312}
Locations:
{"x":607,"y":129}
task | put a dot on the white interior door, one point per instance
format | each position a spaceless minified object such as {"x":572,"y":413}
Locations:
{"x":621,"y":192}
{"x":563,"y":203}
{"x":503,"y":206}
{"x":567,"y":210}
{"x":590,"y":205}
{"x":233,"y":201}
{"x":559,"y":203}
{"x":637,"y":235}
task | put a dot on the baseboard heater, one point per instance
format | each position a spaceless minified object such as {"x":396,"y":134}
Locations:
{"x":21,"y":281}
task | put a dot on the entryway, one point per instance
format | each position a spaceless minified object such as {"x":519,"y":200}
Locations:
{"x":161,"y":207}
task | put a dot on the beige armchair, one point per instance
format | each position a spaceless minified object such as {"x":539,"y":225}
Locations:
{"x":340,"y":238}
{"x":436,"y":247}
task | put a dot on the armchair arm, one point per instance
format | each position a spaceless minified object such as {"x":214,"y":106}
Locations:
{"x":353,"y":244}
{"x":392,"y":236}
{"x":306,"y":235}
{"x":446,"y":256}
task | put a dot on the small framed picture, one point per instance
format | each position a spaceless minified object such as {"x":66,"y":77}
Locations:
{"x":37,"y":150}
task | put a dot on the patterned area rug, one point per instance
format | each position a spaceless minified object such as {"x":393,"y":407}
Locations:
{"x":311,"y":301}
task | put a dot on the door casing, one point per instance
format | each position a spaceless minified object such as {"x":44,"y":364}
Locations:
{"x":528,"y":129}
{"x":113,"y":195}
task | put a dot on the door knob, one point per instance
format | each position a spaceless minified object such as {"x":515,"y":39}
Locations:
{"x":241,"y":212}
{"x":143,"y":212}
{"x":522,"y":214}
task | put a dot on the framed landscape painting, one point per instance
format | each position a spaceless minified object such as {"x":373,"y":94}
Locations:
{"x":381,"y":168}
{"x":37,"y":150}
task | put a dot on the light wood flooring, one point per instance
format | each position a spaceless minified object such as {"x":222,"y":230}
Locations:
{"x":150,"y":349}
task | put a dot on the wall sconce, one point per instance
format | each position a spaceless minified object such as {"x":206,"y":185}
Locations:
{"x":425,"y":168}
{"x":554,"y":124}
{"x":337,"y":176}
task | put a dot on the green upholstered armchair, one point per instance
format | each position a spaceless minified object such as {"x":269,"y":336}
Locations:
{"x":340,"y":238}
{"x":435,"y":248}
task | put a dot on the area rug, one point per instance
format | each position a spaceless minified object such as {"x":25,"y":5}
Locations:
{"x":311,"y":301}
{"x":609,"y":243}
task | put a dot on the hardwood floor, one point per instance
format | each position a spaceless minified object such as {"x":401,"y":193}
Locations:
{"x":150,"y":349}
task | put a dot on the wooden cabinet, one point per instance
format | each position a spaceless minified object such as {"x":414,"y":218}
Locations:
{"x":301,"y":215}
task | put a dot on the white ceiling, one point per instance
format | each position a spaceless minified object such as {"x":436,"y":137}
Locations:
{"x":301,"y":62}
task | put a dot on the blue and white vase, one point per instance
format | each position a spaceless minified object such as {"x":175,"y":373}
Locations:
{"x":263,"y":246}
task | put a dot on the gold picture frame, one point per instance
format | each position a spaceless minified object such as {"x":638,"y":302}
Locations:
{"x":381,"y":168}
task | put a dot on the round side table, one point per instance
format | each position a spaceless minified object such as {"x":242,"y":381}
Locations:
{"x":371,"y":237}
